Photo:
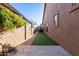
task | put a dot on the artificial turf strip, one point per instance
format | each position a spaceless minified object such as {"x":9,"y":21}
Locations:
{"x":42,"y":39}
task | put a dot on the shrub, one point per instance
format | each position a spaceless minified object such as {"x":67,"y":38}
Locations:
{"x":10,"y":20}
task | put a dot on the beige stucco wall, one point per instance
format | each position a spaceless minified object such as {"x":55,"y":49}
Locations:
{"x":67,"y":33}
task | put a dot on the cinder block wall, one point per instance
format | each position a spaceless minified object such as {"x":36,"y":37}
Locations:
{"x":28,"y":30}
{"x":15,"y":37}
{"x":67,"y":33}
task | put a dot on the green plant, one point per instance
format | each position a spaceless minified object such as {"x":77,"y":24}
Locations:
{"x":10,"y":20}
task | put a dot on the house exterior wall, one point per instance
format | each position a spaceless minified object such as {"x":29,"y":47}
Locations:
{"x":67,"y":31}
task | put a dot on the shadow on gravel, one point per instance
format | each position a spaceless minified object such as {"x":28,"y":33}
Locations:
{"x":12,"y":52}
{"x":8,"y":50}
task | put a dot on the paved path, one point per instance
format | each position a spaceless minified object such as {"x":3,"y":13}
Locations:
{"x":26,"y":49}
{"x":41,"y":51}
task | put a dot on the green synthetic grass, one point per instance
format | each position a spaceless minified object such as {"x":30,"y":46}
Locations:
{"x":42,"y":39}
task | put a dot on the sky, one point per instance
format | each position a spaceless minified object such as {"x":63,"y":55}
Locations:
{"x":32,"y":11}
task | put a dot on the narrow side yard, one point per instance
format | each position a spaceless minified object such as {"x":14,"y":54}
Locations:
{"x":41,"y":45}
{"x":42,"y":39}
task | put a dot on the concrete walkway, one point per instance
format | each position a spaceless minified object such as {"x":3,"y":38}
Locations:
{"x":41,"y":51}
{"x":26,"y":49}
